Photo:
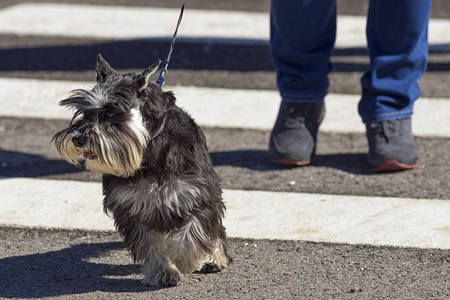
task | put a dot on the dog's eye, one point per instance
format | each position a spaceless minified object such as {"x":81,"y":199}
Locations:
{"x":109,"y":114}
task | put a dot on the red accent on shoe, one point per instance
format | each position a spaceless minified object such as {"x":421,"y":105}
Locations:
{"x":391,"y":165}
{"x":292,"y":162}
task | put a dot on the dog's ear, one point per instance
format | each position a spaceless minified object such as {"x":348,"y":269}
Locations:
{"x":144,"y":77}
{"x":102,"y":68}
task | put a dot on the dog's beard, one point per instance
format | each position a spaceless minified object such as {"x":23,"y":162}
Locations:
{"x":117,"y":151}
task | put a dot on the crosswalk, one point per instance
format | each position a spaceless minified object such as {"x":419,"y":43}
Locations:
{"x":355,"y":219}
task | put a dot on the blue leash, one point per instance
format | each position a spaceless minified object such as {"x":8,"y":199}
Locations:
{"x":161,"y":80}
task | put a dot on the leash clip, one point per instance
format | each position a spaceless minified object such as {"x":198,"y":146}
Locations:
{"x":161,"y":80}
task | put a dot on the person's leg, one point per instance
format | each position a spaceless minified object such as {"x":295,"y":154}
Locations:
{"x":302,"y":39}
{"x":398,"y":48}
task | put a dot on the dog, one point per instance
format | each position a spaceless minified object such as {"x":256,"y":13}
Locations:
{"x":158,"y":179}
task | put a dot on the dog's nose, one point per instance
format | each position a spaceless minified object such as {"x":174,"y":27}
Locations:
{"x":77,"y":141}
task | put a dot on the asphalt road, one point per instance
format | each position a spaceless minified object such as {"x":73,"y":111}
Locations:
{"x":58,"y":264}
{"x":75,"y":264}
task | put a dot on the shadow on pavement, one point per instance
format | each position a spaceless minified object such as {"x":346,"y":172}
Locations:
{"x":18,"y":164}
{"x":67,"y":272}
{"x":191,"y":54}
{"x":260,"y":161}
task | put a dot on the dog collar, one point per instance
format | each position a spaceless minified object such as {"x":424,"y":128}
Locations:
{"x":152,"y":136}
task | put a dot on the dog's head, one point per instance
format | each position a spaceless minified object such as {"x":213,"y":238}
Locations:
{"x":113,"y":122}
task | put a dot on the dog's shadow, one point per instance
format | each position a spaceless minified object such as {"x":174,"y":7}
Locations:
{"x":260,"y":161}
{"x":68,"y":272}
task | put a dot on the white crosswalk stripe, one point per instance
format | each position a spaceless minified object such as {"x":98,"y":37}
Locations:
{"x":250,"y":214}
{"x":75,"y":20}
{"x":298,"y":216}
{"x":216,"y":107}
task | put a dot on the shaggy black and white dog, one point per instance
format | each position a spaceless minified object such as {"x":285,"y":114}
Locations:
{"x":159,"y":182}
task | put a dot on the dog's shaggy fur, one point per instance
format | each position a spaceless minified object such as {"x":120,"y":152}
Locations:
{"x":159,"y":182}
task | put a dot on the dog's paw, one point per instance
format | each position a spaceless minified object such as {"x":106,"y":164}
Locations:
{"x":164,"y":277}
{"x":215,"y":263}
{"x":211,"y":268}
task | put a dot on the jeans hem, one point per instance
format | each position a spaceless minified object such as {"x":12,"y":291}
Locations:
{"x":388,"y":116}
{"x":301,"y":97}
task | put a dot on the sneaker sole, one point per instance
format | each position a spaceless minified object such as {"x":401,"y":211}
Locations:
{"x":292,"y":162}
{"x":391,"y":165}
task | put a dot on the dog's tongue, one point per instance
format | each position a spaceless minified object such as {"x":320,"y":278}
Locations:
{"x":88,"y":155}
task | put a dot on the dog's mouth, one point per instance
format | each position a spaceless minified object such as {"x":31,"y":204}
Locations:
{"x":89,"y":155}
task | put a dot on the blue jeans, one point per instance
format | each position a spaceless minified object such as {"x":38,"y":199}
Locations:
{"x":303,"y":33}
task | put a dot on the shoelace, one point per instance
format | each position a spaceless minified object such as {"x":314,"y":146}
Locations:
{"x":384,"y":129}
{"x":299,"y":113}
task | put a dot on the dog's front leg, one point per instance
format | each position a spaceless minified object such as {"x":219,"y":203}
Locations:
{"x":188,"y":246}
{"x":149,"y":248}
{"x":219,"y":258}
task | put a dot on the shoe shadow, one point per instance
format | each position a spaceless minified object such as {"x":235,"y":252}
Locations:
{"x":258,"y":160}
{"x":68,"y":271}
{"x":354,"y":163}
{"x":249,"y":159}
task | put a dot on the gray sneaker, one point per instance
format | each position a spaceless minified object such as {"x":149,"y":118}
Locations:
{"x":391,"y":145}
{"x":294,"y":135}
